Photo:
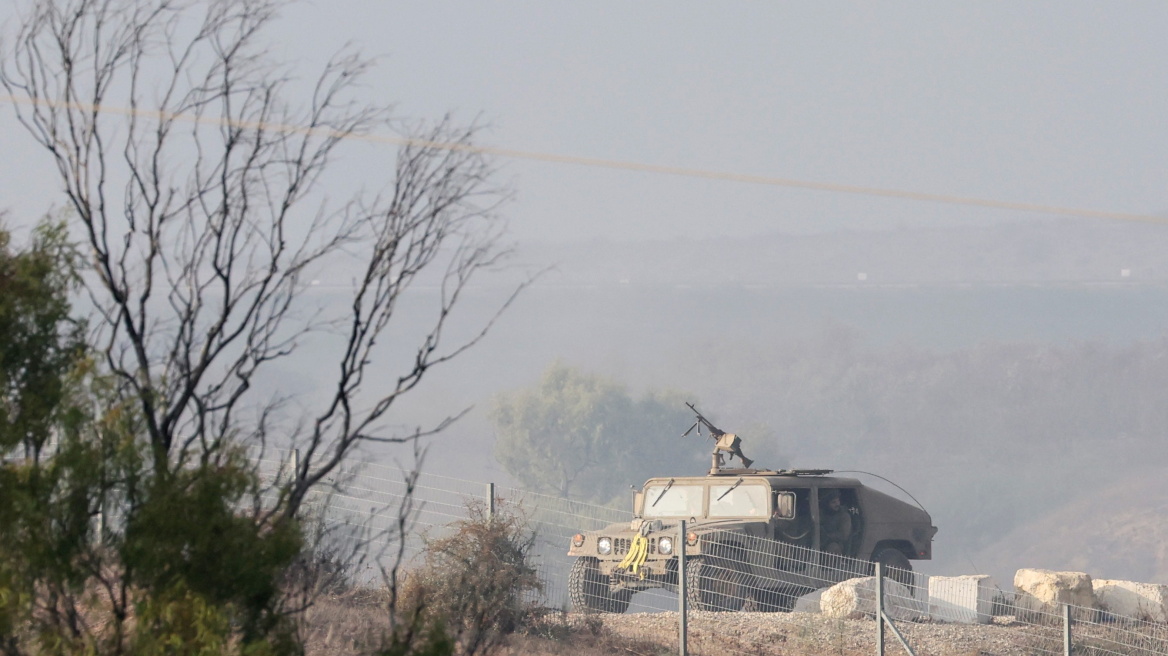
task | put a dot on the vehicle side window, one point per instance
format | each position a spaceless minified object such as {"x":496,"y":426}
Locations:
{"x":849,"y":501}
{"x":837,"y":527}
{"x":796,"y":529}
{"x":784,"y":505}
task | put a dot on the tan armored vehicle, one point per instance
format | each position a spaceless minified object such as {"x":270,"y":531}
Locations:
{"x":755,"y":538}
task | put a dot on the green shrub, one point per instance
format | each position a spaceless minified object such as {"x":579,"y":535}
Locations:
{"x":476,"y":585}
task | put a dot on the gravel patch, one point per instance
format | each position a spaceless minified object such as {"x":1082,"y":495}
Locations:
{"x":794,"y":634}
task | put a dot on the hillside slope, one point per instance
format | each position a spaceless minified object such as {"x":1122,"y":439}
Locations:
{"x":1118,"y":531}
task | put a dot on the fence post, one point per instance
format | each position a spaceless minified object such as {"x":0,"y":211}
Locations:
{"x":101,"y":521}
{"x":293,"y":465}
{"x":1066,"y":629}
{"x":490,"y":500}
{"x":682,"y":594}
{"x":880,"y":609}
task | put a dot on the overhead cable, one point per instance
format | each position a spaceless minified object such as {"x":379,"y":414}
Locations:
{"x":621,"y":165}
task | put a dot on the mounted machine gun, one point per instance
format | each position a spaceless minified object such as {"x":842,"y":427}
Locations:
{"x":724,"y":443}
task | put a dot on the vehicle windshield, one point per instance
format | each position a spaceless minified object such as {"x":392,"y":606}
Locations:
{"x":673,"y":500}
{"x":737,"y":500}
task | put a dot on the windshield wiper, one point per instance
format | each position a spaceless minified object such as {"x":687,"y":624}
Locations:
{"x":736,"y":484}
{"x":667,"y":486}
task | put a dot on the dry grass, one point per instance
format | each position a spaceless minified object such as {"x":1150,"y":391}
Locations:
{"x":354,"y":623}
{"x":346,"y":624}
{"x":580,"y":645}
{"x":552,"y":634}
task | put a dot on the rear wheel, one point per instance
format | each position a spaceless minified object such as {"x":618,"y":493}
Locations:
{"x":896,"y":566}
{"x":590,"y":590}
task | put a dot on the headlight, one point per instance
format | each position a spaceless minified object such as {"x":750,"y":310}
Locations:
{"x":604,"y":546}
{"x":665,"y":546}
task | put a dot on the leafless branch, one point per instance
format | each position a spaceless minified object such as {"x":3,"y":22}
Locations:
{"x":201,"y":209}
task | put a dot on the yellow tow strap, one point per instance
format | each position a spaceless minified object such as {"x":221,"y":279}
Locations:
{"x":638,"y":554}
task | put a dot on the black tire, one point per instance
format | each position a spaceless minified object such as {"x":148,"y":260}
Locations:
{"x":590,"y":590}
{"x":767,"y":600}
{"x":778,"y":600}
{"x":896,"y":566}
{"x":714,"y":584}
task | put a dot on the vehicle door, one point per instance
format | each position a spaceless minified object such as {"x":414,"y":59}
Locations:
{"x":794,"y":534}
{"x":835,"y":552}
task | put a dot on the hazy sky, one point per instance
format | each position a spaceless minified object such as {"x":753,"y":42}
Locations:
{"x":1060,"y":102}
{"x":1057,"y":103}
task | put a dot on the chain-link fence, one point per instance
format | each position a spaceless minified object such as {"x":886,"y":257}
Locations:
{"x":744,"y":593}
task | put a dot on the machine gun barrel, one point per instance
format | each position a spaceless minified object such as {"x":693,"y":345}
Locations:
{"x":715,"y":432}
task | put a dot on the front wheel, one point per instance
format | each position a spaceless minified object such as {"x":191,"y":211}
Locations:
{"x":590,"y":590}
{"x":767,"y":600}
{"x":714,"y":584}
{"x":780,"y":599}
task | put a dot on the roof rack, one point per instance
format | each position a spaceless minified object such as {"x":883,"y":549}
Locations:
{"x":805,"y":472}
{"x":725,"y":471}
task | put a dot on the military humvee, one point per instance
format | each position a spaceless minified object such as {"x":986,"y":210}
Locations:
{"x":755,"y":538}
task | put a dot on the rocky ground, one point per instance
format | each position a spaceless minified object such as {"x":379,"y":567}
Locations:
{"x":796,"y":634}
{"x":350,"y":625}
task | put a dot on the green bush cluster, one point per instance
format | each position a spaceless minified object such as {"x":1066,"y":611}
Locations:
{"x":175,"y":568}
{"x":108,"y":547}
{"x":584,"y":436}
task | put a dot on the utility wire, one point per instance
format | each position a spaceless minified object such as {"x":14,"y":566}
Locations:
{"x":620,"y":165}
{"x":857,"y":471}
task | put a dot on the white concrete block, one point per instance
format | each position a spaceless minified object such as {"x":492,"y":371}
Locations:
{"x":962,"y":599}
{"x":1143,"y":601}
{"x":808,"y":603}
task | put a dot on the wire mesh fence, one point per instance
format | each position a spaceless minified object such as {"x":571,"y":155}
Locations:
{"x":745,"y":593}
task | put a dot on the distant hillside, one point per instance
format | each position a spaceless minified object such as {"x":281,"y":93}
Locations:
{"x":1114,"y":530}
{"x":1052,"y":251}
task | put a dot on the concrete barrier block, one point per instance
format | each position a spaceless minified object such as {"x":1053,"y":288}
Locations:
{"x":1143,"y":601}
{"x":962,"y":599}
{"x":808,"y":603}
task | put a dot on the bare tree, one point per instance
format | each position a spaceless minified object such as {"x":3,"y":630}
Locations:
{"x":195,"y":181}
